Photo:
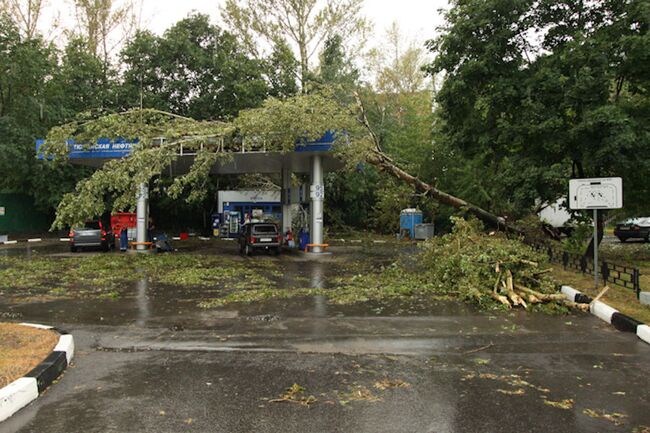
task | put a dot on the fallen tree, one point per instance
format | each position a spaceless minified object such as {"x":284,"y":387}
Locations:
{"x":386,"y":164}
{"x":490,"y":269}
{"x":281,"y":123}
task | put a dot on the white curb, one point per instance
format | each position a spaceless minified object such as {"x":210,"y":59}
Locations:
{"x":24,"y":390}
{"x":10,"y":242}
{"x":36,"y":325}
{"x":643,"y":332}
{"x":606,"y":313}
{"x":569,"y":292}
{"x":17,"y":395}
{"x":602,"y":311}
{"x":66,"y":344}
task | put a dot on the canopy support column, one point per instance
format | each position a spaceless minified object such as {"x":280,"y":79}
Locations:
{"x":286,"y":200}
{"x":142,"y":217}
{"x":317,"y":196}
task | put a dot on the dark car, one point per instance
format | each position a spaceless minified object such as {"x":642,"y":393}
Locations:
{"x":633,"y":228}
{"x":260,"y":236}
{"x":93,"y":234}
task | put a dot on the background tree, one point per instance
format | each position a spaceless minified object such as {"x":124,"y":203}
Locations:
{"x":532,"y":112}
{"x":29,"y":106}
{"x":303,"y":23}
{"x":99,"y":20}
{"x":25,"y":14}
{"x":195,"y":69}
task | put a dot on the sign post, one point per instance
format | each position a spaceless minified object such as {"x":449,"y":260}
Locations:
{"x":599,"y":193}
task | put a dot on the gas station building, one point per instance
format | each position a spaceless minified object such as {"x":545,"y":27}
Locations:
{"x":313,"y":158}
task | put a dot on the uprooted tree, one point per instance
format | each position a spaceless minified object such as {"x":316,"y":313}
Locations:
{"x":280,"y":123}
{"x":516,"y":281}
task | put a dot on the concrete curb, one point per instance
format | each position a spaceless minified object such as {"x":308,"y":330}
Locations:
{"x":23,"y":391}
{"x":608,"y":314}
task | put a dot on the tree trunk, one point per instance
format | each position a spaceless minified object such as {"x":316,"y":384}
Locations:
{"x":384,"y":163}
{"x":379,"y":159}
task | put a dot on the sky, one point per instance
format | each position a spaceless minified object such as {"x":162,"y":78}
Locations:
{"x":416,"y":18}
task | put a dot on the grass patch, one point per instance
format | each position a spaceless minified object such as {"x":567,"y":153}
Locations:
{"x":21,"y":349}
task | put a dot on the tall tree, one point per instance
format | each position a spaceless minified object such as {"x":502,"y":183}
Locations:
{"x":282,"y":71}
{"x":302,"y":22}
{"x":195,"y":69}
{"x":530,"y":112}
{"x":100,"y":19}
{"x":25,"y":14}
{"x":30,"y":103}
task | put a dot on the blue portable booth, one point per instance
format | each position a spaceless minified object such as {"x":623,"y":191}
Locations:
{"x":408,"y":219}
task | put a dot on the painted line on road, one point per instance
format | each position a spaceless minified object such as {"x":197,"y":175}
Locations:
{"x":608,"y":314}
{"x":64,"y":239}
{"x":24,"y":390}
{"x":10,"y":242}
{"x":35,"y":240}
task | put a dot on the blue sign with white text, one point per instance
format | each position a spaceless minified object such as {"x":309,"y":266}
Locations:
{"x":104,"y":148}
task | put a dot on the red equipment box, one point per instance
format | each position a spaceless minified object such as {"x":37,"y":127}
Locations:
{"x":123,"y":220}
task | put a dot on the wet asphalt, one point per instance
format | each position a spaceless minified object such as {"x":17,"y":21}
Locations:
{"x":152,"y":361}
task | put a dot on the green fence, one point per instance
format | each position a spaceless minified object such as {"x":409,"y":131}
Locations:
{"x":19,"y":215}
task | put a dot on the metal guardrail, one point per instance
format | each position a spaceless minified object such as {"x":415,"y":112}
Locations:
{"x":620,"y":275}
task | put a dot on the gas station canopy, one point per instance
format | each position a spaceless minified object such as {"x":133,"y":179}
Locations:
{"x":243,"y":161}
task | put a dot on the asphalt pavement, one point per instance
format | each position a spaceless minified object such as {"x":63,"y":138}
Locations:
{"x":152,"y":361}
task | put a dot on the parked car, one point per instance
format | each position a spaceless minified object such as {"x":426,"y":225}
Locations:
{"x":633,"y":228}
{"x":92,"y":234}
{"x":260,"y":236}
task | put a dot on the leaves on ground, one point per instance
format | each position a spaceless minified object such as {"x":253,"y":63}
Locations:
{"x":518,"y":391}
{"x":391,"y":383}
{"x":615,"y":417}
{"x":562,"y":404}
{"x":295,"y":394}
{"x":357,"y":393}
{"x":513,"y":380}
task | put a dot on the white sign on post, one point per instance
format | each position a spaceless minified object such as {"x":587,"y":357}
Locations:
{"x":599,"y":193}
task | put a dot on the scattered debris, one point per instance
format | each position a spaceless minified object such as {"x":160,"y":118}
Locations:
{"x":295,"y":394}
{"x":263,"y":318}
{"x":518,"y":391}
{"x":487,"y":346}
{"x":615,"y":417}
{"x":357,"y":393}
{"x":513,"y":380}
{"x":562,"y":404}
{"x":388,"y":383}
